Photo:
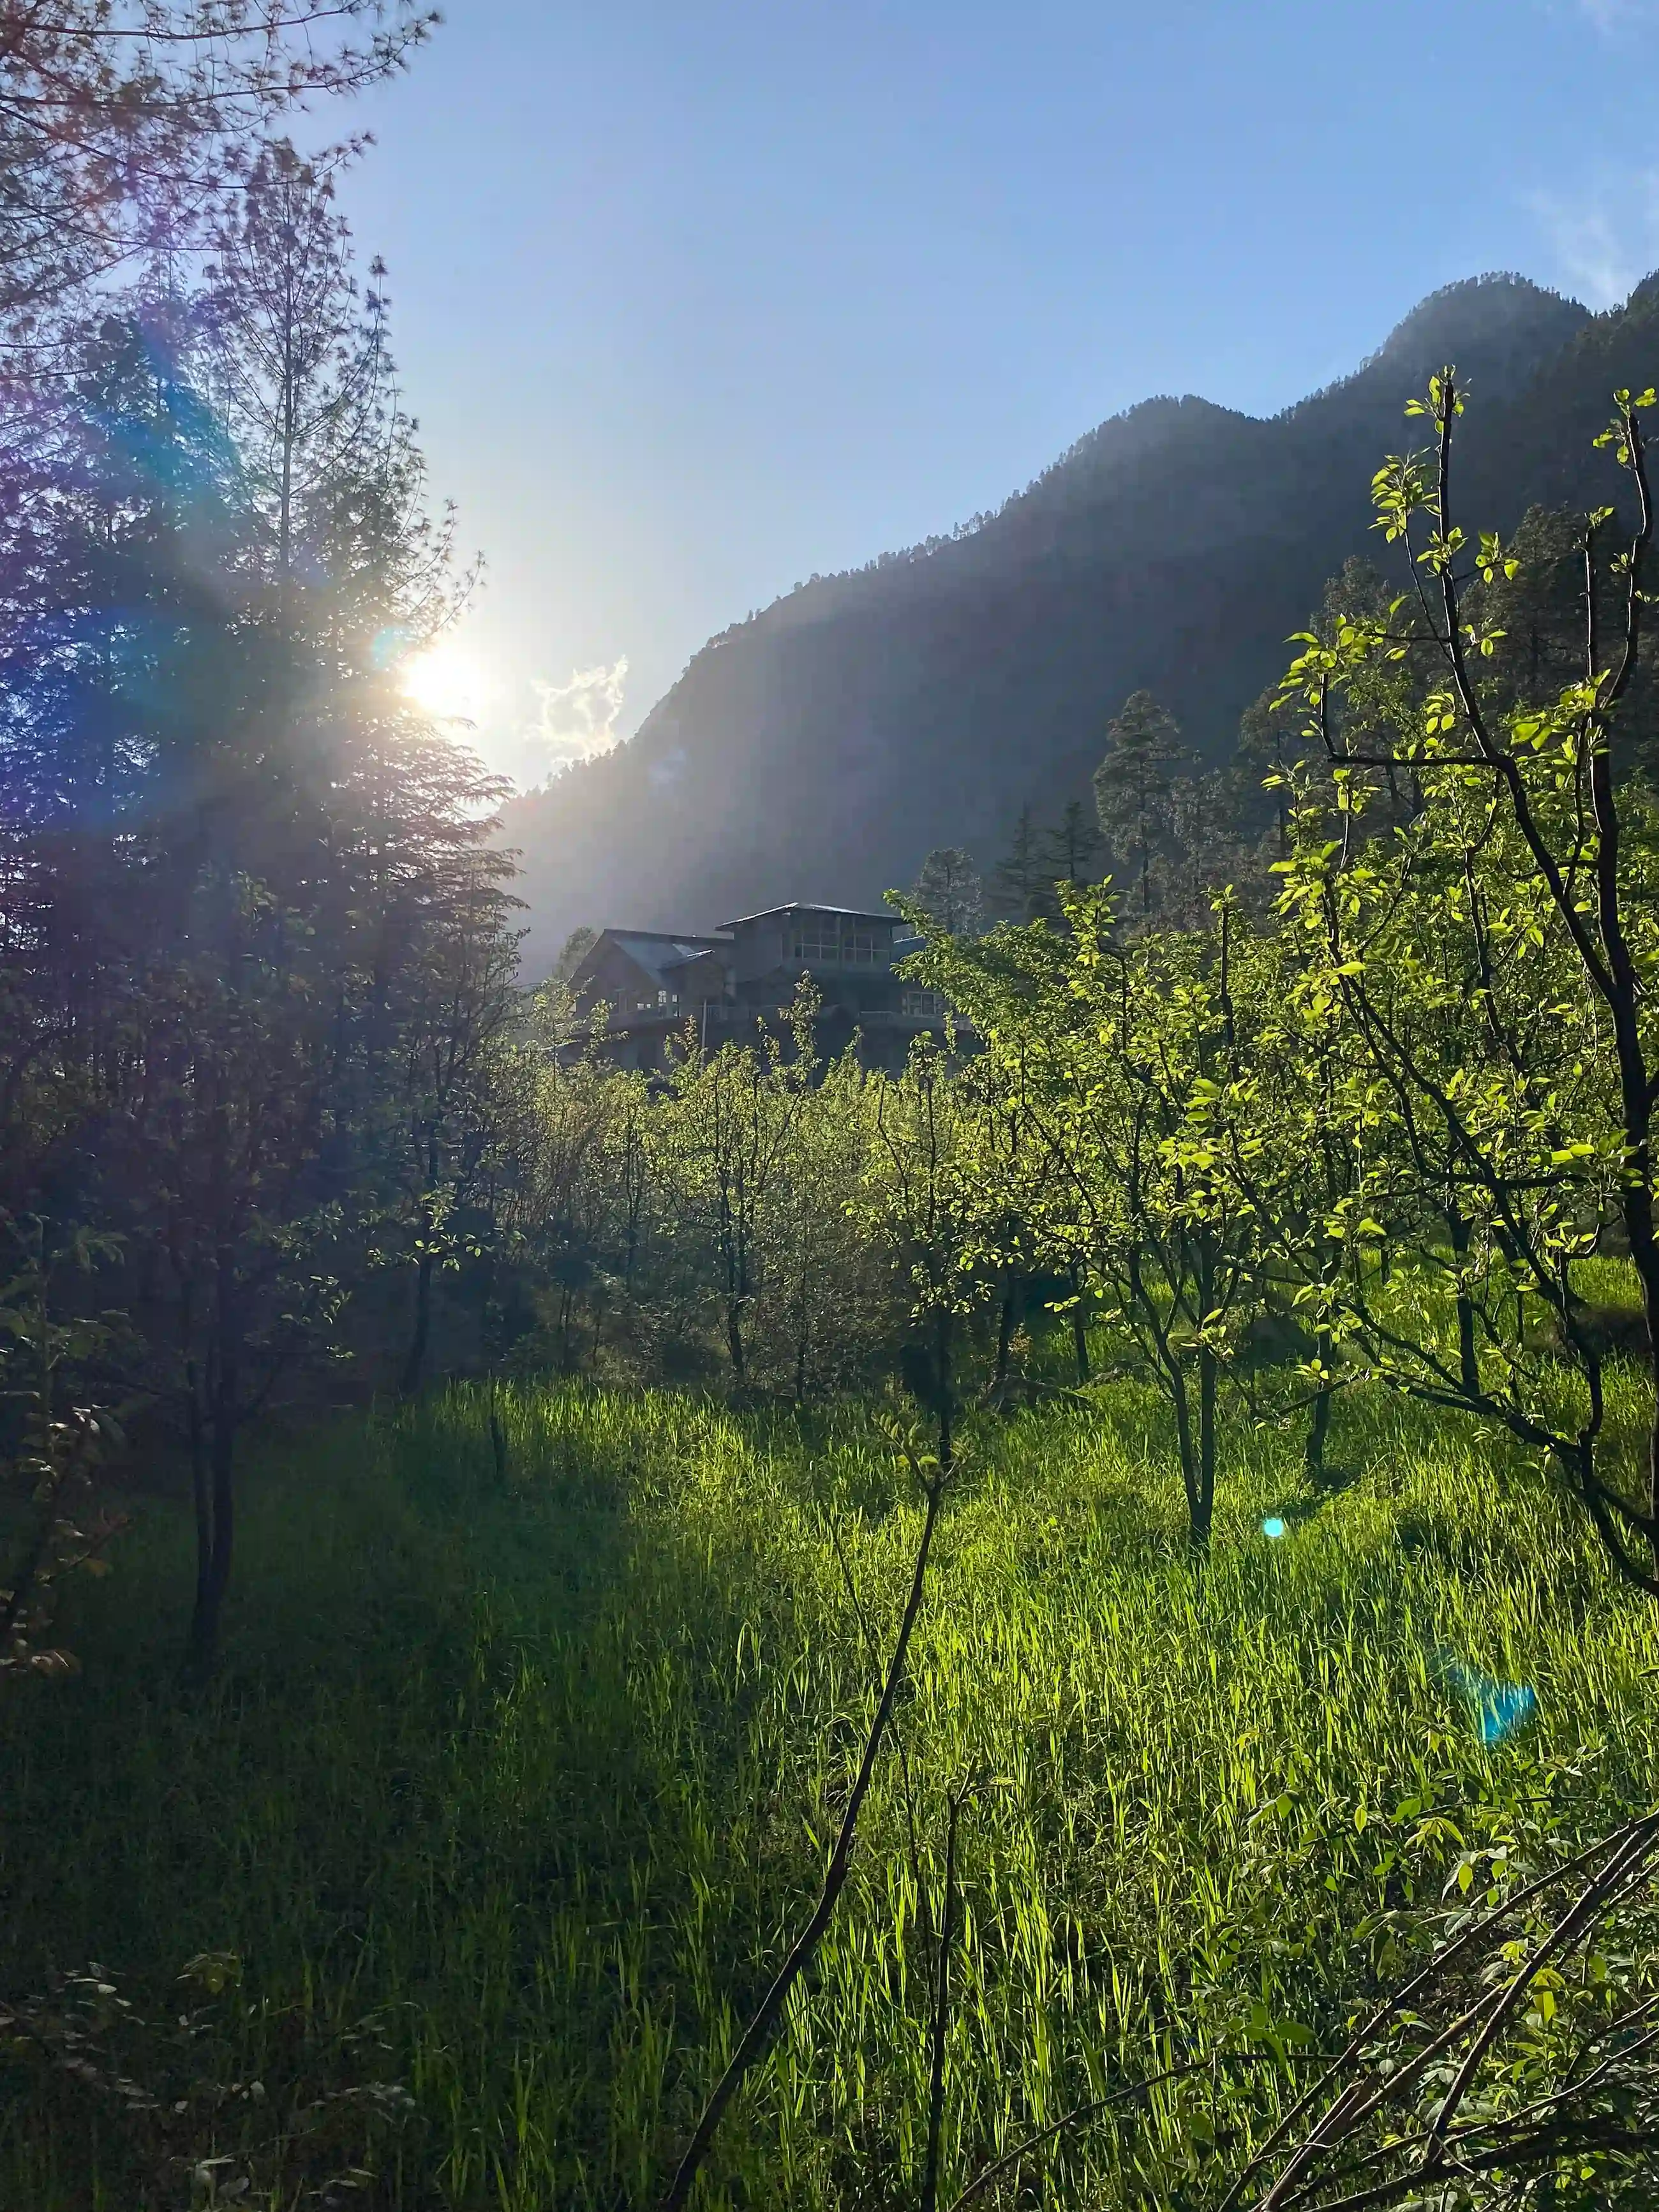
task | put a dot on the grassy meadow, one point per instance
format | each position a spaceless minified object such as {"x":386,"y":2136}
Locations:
{"x":516,"y":1783}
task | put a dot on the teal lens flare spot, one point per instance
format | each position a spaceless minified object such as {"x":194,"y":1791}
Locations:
{"x":1498,"y":1709}
{"x":1274,"y":1526}
{"x":1503,"y":1707}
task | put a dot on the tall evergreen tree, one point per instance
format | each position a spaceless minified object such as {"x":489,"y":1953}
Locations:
{"x":574,"y":950}
{"x":255,"y":945}
{"x":118,"y":125}
{"x":1133,"y":794}
{"x":1022,"y":887}
{"x":950,"y":890}
{"x":1205,"y":853}
{"x":301,"y":376}
{"x":1071,"y":850}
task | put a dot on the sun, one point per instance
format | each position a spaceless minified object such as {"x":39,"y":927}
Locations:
{"x":446,"y":681}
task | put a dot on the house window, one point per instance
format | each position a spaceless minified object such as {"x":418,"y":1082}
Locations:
{"x":823,"y":940}
{"x":667,"y":998}
{"x":923,"y":1005}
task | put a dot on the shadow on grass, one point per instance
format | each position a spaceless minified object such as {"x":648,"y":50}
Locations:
{"x":517,"y":1775}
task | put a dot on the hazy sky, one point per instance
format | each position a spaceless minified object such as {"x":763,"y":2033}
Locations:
{"x":693,"y":300}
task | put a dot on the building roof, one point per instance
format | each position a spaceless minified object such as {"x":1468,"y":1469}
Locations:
{"x":653,"y":949}
{"x":812,"y":906}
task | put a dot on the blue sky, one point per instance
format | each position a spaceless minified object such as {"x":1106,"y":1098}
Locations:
{"x":695,"y":297}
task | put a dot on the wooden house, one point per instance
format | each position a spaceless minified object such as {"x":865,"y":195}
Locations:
{"x":655,"y":984}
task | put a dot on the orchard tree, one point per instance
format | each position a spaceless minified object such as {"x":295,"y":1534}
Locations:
{"x":825,"y":1308}
{"x":919,"y":1200}
{"x":456,"y":1004}
{"x":582,"y":1208}
{"x":1491,"y":964}
{"x":732,"y":1124}
{"x":1130,"y":1062}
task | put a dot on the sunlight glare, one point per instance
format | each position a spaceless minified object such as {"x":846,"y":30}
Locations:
{"x":446,"y":681}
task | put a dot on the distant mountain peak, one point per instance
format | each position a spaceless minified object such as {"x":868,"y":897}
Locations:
{"x":820,"y":749}
{"x":1494,"y":329}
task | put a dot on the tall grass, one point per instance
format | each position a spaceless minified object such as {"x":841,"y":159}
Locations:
{"x":515,"y":1791}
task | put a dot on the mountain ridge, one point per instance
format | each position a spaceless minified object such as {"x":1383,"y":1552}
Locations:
{"x":818,"y":748}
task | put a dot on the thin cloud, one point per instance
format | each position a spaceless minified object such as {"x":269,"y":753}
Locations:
{"x":577,"y":720}
{"x":1604,"y":244}
{"x":1613,"y":14}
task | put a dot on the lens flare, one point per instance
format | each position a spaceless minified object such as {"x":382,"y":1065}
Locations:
{"x":1498,"y":1709}
{"x":446,"y":681}
{"x":1275,"y":1526}
{"x":1503,"y":1708}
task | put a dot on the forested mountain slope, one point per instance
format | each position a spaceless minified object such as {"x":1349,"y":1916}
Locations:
{"x":818,"y":749}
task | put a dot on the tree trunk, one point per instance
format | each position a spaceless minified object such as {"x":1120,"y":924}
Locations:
{"x":1206,"y":1396}
{"x":735,"y":1267}
{"x":224,"y":1415}
{"x":1647,"y":1268}
{"x":1319,"y":1422}
{"x":201,"y":1498}
{"x":23,"y":1577}
{"x":1006,"y":1330}
{"x":1189,"y":1473}
{"x":734,"y":1335}
{"x":1468,"y":1360}
{"x":420,"y":1336}
{"x":1079,"y":1330}
{"x":213,"y":1575}
{"x":945,"y":1373}
{"x":1319,"y":1429}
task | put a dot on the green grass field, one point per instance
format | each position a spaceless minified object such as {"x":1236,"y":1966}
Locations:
{"x":511,"y":1792}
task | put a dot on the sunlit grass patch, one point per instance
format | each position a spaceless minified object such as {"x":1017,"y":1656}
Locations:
{"x":529,"y":1759}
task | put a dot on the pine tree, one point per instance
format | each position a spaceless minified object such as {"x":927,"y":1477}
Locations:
{"x":950,"y":890}
{"x":119,"y":126}
{"x":1134,"y":787}
{"x":255,"y":943}
{"x":574,"y":950}
{"x":1021,"y":886}
{"x":1207,"y":852}
{"x":1070,"y":851}
{"x":298,"y":367}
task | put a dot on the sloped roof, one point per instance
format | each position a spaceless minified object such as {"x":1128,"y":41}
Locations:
{"x":650,"y":949}
{"x":812,"y":906}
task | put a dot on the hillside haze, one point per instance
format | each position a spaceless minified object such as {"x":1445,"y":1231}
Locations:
{"x":819,"y":748}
